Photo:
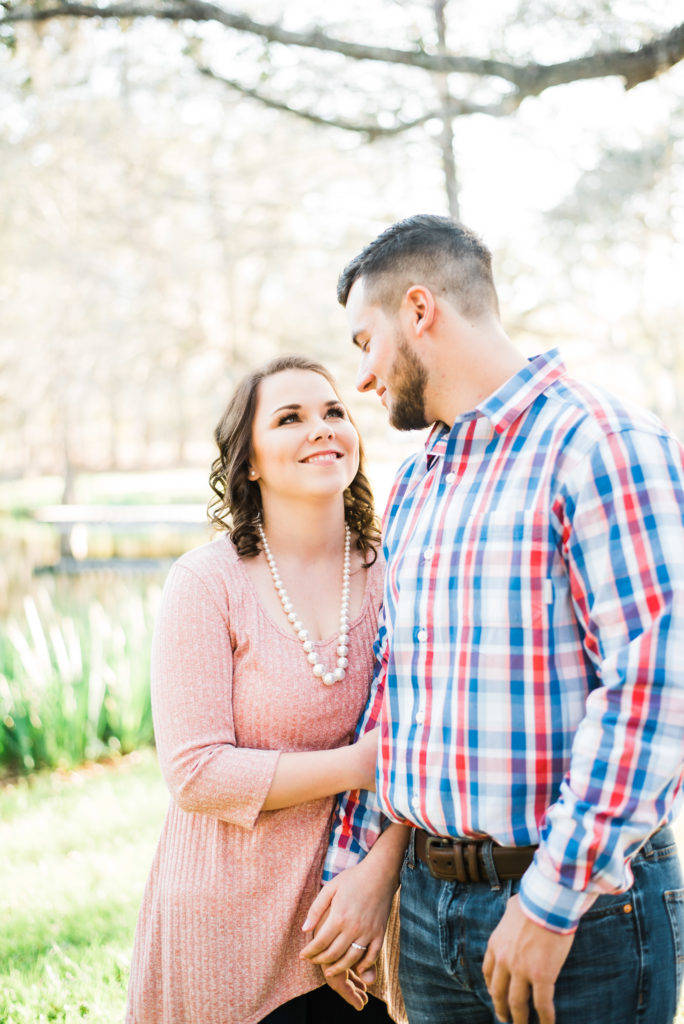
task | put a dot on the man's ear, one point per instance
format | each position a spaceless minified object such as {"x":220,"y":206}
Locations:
{"x":419,"y":304}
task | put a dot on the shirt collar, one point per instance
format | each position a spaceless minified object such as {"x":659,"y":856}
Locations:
{"x":507,"y":403}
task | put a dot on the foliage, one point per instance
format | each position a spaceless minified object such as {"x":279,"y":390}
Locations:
{"x":74,"y":684}
{"x":76,"y":851}
{"x":163,"y":233}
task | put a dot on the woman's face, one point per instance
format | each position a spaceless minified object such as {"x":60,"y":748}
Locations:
{"x":302,"y":441}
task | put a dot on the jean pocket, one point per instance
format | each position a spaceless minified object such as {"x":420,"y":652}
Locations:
{"x":674,"y":902}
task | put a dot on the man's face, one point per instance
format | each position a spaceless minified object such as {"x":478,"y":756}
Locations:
{"x":389,"y":364}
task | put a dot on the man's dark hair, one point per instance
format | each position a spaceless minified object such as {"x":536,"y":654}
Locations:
{"x":435,"y":251}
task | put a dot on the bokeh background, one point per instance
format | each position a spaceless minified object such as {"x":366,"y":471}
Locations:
{"x":181,"y":184}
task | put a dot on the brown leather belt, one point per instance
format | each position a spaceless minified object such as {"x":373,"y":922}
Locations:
{"x":463,"y":860}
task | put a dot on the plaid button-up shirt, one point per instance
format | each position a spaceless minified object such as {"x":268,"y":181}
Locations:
{"x":530,"y":655}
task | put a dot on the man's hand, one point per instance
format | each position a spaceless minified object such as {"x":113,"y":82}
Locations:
{"x":350,"y":987}
{"x":523,"y":959}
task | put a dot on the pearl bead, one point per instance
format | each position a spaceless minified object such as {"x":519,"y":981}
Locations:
{"x":337,"y":674}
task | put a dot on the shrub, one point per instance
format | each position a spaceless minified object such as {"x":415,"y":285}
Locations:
{"x":74,"y":684}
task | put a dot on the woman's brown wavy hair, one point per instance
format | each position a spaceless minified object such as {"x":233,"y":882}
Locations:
{"x":237,"y":505}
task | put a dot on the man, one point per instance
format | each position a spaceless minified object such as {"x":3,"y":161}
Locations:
{"x":530,"y":680}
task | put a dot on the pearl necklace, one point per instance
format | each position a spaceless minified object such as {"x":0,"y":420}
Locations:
{"x":337,"y":675}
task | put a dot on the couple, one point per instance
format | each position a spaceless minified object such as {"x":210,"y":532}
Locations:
{"x":527,"y":703}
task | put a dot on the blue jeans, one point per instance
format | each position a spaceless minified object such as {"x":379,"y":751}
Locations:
{"x":625,"y":965}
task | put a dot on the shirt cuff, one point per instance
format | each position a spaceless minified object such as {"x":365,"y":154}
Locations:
{"x":338,"y":860}
{"x":550,"y":904}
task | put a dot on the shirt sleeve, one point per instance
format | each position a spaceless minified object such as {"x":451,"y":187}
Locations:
{"x":191,"y":681}
{"x":623,"y":539}
{"x":357,"y":819}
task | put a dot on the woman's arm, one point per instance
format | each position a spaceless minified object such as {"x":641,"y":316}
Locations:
{"x":192,"y":699}
{"x":309,"y":775}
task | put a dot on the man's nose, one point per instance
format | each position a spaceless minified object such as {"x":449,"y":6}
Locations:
{"x":365,"y":378}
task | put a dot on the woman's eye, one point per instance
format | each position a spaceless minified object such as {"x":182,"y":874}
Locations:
{"x":337,"y":410}
{"x":291,"y":417}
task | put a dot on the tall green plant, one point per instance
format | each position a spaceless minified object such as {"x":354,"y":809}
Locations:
{"x":75,"y":685}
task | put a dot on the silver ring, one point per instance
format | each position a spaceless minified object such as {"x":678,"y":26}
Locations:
{"x":357,"y":945}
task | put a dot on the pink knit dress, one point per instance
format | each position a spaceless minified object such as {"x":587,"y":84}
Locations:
{"x":219,"y":929}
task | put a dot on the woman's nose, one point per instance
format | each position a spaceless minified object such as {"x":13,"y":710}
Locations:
{"x":322,"y":428}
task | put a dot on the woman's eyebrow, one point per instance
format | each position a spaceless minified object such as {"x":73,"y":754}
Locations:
{"x":296,"y":405}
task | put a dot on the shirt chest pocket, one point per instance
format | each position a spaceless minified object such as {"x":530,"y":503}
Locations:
{"x":507,"y":561}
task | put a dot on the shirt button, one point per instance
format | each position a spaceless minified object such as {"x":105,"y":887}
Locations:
{"x":415,"y":800}
{"x":420,"y":717}
{"x":421,"y":635}
{"x":428,"y":553}
{"x":450,"y":477}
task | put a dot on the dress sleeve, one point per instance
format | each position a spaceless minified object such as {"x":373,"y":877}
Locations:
{"x":192,"y":677}
{"x":623,"y":539}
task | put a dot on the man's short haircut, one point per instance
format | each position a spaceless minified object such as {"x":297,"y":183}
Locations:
{"x":437,"y":252}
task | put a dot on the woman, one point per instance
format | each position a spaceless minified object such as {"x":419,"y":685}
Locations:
{"x":255,"y":706}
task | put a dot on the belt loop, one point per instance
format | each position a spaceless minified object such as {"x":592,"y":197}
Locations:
{"x":488,"y":861}
{"x":411,"y":852}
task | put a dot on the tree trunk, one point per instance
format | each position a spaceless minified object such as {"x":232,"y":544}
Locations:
{"x":446,"y":138}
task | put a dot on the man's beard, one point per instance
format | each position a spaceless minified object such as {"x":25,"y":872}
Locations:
{"x":407,"y":383}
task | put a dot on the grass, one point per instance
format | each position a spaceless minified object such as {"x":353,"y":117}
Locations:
{"x":76,"y":850}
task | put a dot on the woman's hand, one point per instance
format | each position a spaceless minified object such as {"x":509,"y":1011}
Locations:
{"x":350,"y":913}
{"x":348,"y":910}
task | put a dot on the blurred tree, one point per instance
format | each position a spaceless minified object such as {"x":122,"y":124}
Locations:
{"x":156,"y":241}
{"x":442,"y":75}
{"x":157,"y":237}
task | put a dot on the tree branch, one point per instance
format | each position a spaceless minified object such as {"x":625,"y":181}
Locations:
{"x":634,"y":66}
{"x":372,"y":129}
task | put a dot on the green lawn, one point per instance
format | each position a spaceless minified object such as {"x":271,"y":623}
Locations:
{"x":74,"y":854}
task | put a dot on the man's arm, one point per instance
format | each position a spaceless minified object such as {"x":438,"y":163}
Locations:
{"x":623,"y":539}
{"x":357,"y":819}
